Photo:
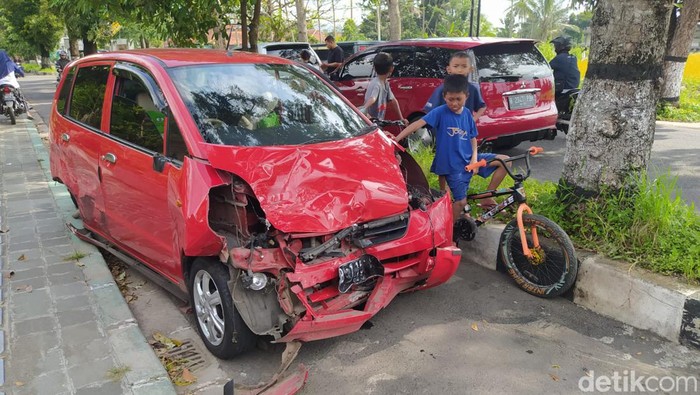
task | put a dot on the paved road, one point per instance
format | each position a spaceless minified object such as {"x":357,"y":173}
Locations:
{"x":674,"y":154}
{"x":476,"y":334}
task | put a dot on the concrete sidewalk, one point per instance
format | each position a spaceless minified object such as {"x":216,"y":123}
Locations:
{"x":65,"y":326}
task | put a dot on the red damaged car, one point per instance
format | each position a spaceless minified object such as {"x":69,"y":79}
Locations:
{"x":247,"y":185}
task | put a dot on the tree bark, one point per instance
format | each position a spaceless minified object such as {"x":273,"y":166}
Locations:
{"x":244,"y":24}
{"x":254,"y":24}
{"x":301,"y":21}
{"x":612,"y":128}
{"x":677,"y":50}
{"x":394,"y":20}
{"x":74,"y":49}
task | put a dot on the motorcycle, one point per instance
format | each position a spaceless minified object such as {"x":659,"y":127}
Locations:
{"x":566,"y":100}
{"x":10,"y":104}
{"x":59,"y":70}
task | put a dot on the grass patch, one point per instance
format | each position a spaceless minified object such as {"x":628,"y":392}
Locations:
{"x":36,"y":68}
{"x":117,"y":373}
{"x":653,"y":228}
{"x":75,"y":257}
{"x":689,"y":106}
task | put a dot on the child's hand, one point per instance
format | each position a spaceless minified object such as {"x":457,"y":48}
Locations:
{"x":405,"y":122}
{"x":473,"y":161}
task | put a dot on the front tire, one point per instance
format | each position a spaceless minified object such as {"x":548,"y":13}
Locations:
{"x":11,"y":114}
{"x":555,"y":266}
{"x":220,"y":326}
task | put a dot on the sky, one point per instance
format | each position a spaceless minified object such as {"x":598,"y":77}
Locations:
{"x":493,"y":10}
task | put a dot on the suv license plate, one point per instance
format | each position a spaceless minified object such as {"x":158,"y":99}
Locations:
{"x":358,"y":271}
{"x":523,"y":100}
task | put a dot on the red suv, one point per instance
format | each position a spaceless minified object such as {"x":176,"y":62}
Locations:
{"x":515,"y":79}
{"x":247,"y":185}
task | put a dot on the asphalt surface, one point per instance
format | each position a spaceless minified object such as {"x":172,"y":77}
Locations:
{"x":476,"y":334}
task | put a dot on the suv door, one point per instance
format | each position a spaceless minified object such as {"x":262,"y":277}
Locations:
{"x":135,"y":172}
{"x":354,"y":77}
{"x":401,"y":80}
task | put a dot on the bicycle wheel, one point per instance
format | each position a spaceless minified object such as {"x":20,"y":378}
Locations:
{"x":552,"y":270}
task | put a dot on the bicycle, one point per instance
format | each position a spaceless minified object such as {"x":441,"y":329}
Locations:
{"x":537,"y":253}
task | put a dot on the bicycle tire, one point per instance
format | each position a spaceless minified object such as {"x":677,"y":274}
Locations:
{"x":557,"y":270}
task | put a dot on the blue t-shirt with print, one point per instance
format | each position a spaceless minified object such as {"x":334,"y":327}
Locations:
{"x":474,"y":101}
{"x":453,"y":134}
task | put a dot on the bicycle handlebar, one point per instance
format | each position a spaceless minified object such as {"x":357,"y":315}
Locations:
{"x":532,"y":151}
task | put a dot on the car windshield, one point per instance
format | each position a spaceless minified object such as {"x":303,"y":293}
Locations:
{"x":264,"y":104}
{"x":510,"y":62}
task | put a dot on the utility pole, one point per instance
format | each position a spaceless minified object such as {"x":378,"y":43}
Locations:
{"x":379,"y":24}
{"x":318,"y":13}
{"x":351,"y":11}
{"x":471,"y":19}
{"x":478,"y":17}
{"x":335,"y":34}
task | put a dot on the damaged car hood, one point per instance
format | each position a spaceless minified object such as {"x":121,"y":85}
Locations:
{"x":319,"y":188}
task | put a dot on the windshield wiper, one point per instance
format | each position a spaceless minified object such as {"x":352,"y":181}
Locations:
{"x":367,"y":129}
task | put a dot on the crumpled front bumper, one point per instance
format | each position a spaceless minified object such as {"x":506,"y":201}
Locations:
{"x":424,"y":257}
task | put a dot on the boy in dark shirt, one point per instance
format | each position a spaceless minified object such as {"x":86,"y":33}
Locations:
{"x":335,"y":56}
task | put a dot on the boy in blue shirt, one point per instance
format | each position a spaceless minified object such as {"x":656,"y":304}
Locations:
{"x":460,"y":64}
{"x":455,"y":142}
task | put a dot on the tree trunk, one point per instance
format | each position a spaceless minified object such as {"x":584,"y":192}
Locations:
{"x":89,"y":46}
{"x":254,"y":24}
{"x":677,"y":49}
{"x":244,"y":25}
{"x":45,"y":60}
{"x":612,"y":128}
{"x":394,"y":20}
{"x":301,"y":21}
{"x":74,"y":49}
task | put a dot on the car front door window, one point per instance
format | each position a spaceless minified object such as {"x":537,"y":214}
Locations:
{"x":135,"y":118}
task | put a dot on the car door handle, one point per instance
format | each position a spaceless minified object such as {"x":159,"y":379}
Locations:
{"x":361,"y":89}
{"x":65,"y":137}
{"x":109,"y":157}
{"x":406,"y":87}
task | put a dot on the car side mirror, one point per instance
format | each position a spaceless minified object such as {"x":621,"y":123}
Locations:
{"x":159,"y":162}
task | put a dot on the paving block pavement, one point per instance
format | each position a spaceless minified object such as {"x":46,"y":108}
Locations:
{"x":64,"y":326}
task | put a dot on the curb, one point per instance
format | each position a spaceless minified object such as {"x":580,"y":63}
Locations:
{"x":129,"y":346}
{"x":617,"y":290}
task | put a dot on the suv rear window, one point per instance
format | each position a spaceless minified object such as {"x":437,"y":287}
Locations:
{"x":510,"y":62}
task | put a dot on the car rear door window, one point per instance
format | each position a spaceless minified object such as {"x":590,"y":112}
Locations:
{"x":510,"y":62}
{"x":403,"y":62}
{"x":135,"y":118}
{"x":65,"y":91}
{"x":431,"y":62}
{"x":360,"y":67}
{"x":88,"y":95}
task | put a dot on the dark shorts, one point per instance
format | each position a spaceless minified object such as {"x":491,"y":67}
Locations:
{"x":459,"y":182}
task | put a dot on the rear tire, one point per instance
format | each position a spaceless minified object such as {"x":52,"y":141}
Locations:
{"x":13,"y":117}
{"x":220,"y":326}
{"x":554,"y":272}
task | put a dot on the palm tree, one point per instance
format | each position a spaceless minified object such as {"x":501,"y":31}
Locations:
{"x":541,"y":19}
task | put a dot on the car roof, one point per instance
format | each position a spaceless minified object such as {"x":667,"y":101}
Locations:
{"x":455,"y":42}
{"x":290,"y":44}
{"x":173,"y":57}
